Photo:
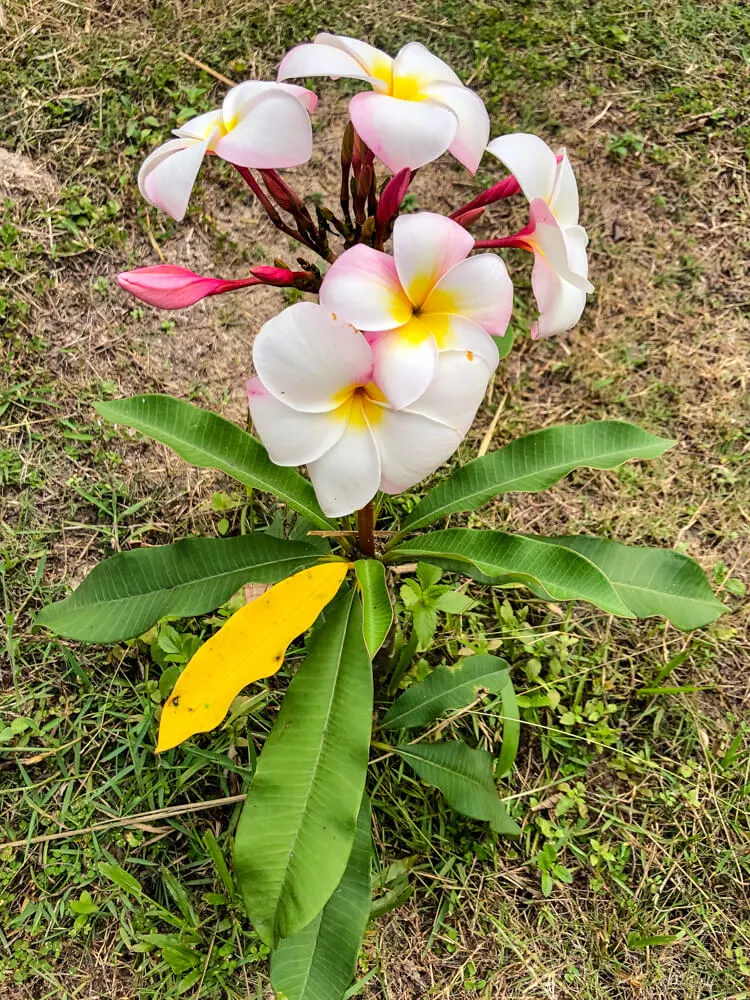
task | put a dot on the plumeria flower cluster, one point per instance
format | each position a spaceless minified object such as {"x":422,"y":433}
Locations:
{"x":375,"y":384}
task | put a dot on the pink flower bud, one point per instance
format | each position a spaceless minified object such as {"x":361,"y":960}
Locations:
{"x":167,"y":286}
{"x":393,"y":194}
{"x":278,"y":276}
{"x":469,"y":217}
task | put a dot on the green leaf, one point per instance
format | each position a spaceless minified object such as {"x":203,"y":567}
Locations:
{"x":504,"y":343}
{"x":501,"y":559}
{"x":652,"y":581}
{"x":297,"y":827}
{"x":126,"y":594}
{"x":445,"y":690}
{"x":318,"y":962}
{"x":465,"y":778}
{"x":208,"y":441}
{"x":425,"y":624}
{"x":121,"y":878}
{"x":511,"y":731}
{"x":376,"y":603}
{"x":533,"y":463}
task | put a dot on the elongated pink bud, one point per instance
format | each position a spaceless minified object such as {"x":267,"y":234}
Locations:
{"x":279,"y":276}
{"x":167,"y":286}
{"x":393,"y":194}
{"x":469,"y":217}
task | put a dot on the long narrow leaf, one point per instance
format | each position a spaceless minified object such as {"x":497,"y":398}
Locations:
{"x":445,"y":690}
{"x":376,"y":603}
{"x":318,"y":962}
{"x":208,"y":441}
{"x":126,"y":594}
{"x":652,"y":581}
{"x":501,"y":559}
{"x":511,"y":731}
{"x":465,"y":778}
{"x":297,"y":827}
{"x":533,"y":463}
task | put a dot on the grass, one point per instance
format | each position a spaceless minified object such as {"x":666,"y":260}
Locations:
{"x":631,"y":877}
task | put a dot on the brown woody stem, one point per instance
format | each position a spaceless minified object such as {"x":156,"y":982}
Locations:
{"x":366,"y":530}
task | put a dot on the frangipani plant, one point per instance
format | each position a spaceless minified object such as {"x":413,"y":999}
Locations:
{"x":371,"y":383}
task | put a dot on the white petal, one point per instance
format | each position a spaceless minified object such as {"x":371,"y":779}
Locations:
{"x":291,"y":437}
{"x":310,"y":361}
{"x":348,"y":475}
{"x":456,"y":333}
{"x":425,"y":246}
{"x":564,"y":200}
{"x":362,"y":287}
{"x":274,"y":130}
{"x":530,"y":160}
{"x":200,"y":127}
{"x":239,"y":98}
{"x":456,"y":392}
{"x":416,"y":67}
{"x":560,"y":303}
{"x":473,"y":121}
{"x":551,"y":241}
{"x":411,"y":446}
{"x":477,"y":288}
{"x":374,"y":61}
{"x":325,"y":60}
{"x":403,"y":133}
{"x":168,"y":175}
{"x":405,"y":361}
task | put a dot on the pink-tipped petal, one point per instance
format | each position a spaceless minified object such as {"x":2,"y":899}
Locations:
{"x":324,"y":60}
{"x":310,"y":361}
{"x":430,"y":443}
{"x":403,"y":133}
{"x":415,"y":67}
{"x":291,"y":437}
{"x":554,"y":243}
{"x":470,"y":140}
{"x":456,"y":393}
{"x":273,"y":131}
{"x":530,"y":160}
{"x":167,"y":176}
{"x":239,"y":98}
{"x":478,"y":289}
{"x":362,"y":287}
{"x":347,"y":476}
{"x":425,"y":247}
{"x":405,"y":361}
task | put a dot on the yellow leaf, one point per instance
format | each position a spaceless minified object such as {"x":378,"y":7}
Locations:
{"x":250,"y":646}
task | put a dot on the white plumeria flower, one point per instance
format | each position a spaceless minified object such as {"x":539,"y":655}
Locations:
{"x":318,"y":401}
{"x":427,"y":298}
{"x":259,"y":124}
{"x":419,"y":107}
{"x":560,"y":274}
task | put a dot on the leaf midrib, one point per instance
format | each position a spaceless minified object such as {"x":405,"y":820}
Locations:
{"x":442,"y":767}
{"x":319,"y":752}
{"x":179,"y":586}
{"x":508,"y":484}
{"x":475,"y":683}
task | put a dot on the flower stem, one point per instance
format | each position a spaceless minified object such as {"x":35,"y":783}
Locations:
{"x":366,"y":530}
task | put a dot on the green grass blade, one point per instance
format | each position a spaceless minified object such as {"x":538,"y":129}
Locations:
{"x":297,"y":827}
{"x":465,"y":778}
{"x":127,"y":593}
{"x":499,"y":558}
{"x":534,"y":462}
{"x":652,"y":581}
{"x":376,"y":603}
{"x":446,"y":690}
{"x":208,"y":441}
{"x":318,"y":962}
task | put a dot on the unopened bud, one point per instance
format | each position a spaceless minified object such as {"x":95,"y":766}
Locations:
{"x":468,"y":218}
